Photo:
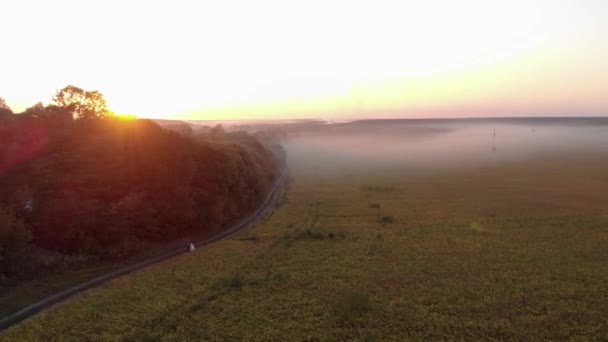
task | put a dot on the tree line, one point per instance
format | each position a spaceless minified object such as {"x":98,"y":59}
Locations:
{"x":78,"y":183}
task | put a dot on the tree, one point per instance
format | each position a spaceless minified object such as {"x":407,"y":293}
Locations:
{"x":36,"y":111}
{"x":82,"y":104}
{"x":108,"y":187}
{"x":4,"y":106}
{"x":50,"y":112}
{"x":5,"y":110}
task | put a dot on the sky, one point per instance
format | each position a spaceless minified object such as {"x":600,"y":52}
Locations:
{"x":336,"y":60}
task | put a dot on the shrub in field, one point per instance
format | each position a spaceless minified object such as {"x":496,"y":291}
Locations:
{"x":235,"y":281}
{"x":251,"y":237}
{"x":353,"y":305}
{"x":146,"y":336}
{"x":369,"y":188}
{"x":309,"y":234}
{"x":386,"y":219}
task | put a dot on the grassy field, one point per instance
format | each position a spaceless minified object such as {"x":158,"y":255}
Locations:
{"x":16,"y":297}
{"x":511,"y":250}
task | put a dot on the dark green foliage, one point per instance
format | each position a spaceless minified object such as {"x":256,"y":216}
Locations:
{"x":352,"y":306}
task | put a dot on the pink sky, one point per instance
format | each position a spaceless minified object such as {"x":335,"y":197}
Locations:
{"x":273,"y":59}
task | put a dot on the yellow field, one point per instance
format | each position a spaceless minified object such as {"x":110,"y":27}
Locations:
{"x":513,"y":250}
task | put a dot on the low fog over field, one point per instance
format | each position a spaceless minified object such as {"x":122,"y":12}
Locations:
{"x":435,"y":145}
{"x":389,"y":230}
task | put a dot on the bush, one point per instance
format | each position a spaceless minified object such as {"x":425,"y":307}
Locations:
{"x":235,"y":281}
{"x":384,"y":219}
{"x":14,"y":243}
{"x":369,"y":188}
{"x":309,"y":234}
{"x":353,"y":305}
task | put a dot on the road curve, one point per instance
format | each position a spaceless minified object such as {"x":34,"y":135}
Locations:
{"x":267,"y":205}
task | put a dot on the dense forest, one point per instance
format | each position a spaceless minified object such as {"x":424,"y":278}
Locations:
{"x":77,"y":182}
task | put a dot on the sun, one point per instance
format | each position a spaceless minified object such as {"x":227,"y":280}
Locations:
{"x":125,"y":117}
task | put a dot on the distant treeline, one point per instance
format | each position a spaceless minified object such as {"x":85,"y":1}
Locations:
{"x":76,"y":182}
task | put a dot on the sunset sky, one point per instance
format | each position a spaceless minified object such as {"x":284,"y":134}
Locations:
{"x":311,"y":59}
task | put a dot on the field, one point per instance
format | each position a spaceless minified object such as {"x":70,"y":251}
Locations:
{"x":19,"y":296}
{"x":513,"y":249}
